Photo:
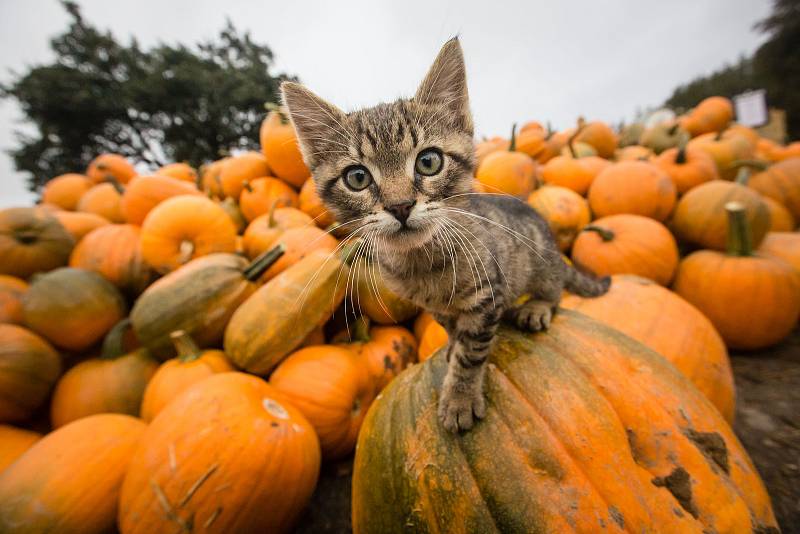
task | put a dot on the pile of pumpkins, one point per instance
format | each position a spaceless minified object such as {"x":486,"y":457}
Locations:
{"x":182,"y":350}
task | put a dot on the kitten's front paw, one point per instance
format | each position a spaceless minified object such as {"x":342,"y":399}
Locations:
{"x":458,"y":409}
{"x":534,"y":316}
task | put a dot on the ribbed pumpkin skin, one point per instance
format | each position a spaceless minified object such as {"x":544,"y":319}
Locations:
{"x":199,"y":298}
{"x":374,"y":299}
{"x":15,"y":442}
{"x":72,"y":308}
{"x":11,"y":291}
{"x":700,"y":216}
{"x":565,"y":211}
{"x":146,"y":192}
{"x":230,"y":454}
{"x":600,"y":136}
{"x":669,"y":325}
{"x":32,"y":241}
{"x":634,"y":187}
{"x":113,"y":252}
{"x":29,"y":367}
{"x":79,"y":224}
{"x":281,"y":313}
{"x":69,"y":481}
{"x":781,"y":182}
{"x":783,"y":245}
{"x":583,"y":426}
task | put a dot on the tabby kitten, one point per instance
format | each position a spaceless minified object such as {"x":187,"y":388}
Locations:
{"x":401,"y":175}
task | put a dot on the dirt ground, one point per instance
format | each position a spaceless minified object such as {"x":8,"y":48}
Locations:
{"x":767,"y":423}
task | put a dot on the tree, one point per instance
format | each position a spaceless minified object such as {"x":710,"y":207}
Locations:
{"x":168,"y":103}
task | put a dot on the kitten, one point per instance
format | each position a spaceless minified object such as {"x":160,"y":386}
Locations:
{"x":401,"y":174}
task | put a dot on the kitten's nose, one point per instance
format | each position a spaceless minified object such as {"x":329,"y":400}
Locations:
{"x":401,"y":210}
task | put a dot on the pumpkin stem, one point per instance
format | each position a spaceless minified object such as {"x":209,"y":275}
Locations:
{"x":26,"y":237}
{"x":571,"y":140}
{"x":187,"y":349}
{"x":361,"y":329}
{"x":605,"y":234}
{"x":113,"y":343}
{"x":271,"y":218}
{"x":186,"y":250}
{"x":198,"y":179}
{"x":247,"y":186}
{"x":754,"y":163}
{"x":739,"y":238}
{"x":513,"y":145}
{"x":743,"y":176}
{"x":263,"y":262}
{"x":674,"y":128}
{"x":115,"y":183}
{"x":277,"y":108}
{"x":680,"y":157}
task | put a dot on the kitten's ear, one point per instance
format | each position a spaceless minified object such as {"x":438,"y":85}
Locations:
{"x":446,"y":84}
{"x":318,"y":123}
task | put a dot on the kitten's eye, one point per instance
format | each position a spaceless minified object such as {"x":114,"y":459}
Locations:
{"x":429,"y":162}
{"x":357,"y":178}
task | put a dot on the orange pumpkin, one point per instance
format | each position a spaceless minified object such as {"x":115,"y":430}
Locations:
{"x":569,"y":172}
{"x":487,"y":146}
{"x":179,"y":171}
{"x":508,"y":171}
{"x":627,"y":244}
{"x":78,"y":492}
{"x":782,"y":245}
{"x":711,"y":115}
{"x":670,"y":326}
{"x":15,"y":442}
{"x":565,"y":211}
{"x":373,"y":298}
{"x":79,"y":224}
{"x":263,"y":232}
{"x":11,"y":291}
{"x":600,"y":136}
{"x":31,"y":241}
{"x":664,"y":136}
{"x":210,"y":183}
{"x":781,"y":182}
{"x":175,"y":376}
{"x":112,"y":383}
{"x":66,"y":190}
{"x":279,"y":145}
{"x":29,"y":367}
{"x":110,"y":166}
{"x":780,"y":218}
{"x":431,"y":336}
{"x":311,"y":204}
{"x":113,"y":251}
{"x":259,"y":195}
{"x":146,"y":192}
{"x":331,"y":386}
{"x":230,"y":454}
{"x":754,"y":301}
{"x":72,"y":308}
{"x":385,"y":350}
{"x":298,"y":243}
{"x":240,"y":169}
{"x":725,"y":151}
{"x":633,"y":187}
{"x":104,"y":200}
{"x":792,"y":150}
{"x":687,"y":167}
{"x":183,"y":228}
{"x":633,"y":153}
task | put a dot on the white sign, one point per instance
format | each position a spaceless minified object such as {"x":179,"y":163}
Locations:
{"x":751,"y":108}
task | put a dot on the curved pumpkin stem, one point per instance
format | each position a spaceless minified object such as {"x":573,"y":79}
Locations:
{"x":361,"y":329}
{"x":513,"y":145}
{"x":115,"y":183}
{"x":680,"y":157}
{"x":113,"y":343}
{"x":605,"y":234}
{"x":739,"y":239}
{"x":263,"y":262}
{"x":187,"y":349}
{"x":571,"y":140}
{"x":247,"y":185}
{"x":271,"y":217}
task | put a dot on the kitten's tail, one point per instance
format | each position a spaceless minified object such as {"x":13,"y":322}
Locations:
{"x":585,"y":285}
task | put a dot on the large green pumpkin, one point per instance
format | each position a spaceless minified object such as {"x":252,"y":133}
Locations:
{"x":586,"y":430}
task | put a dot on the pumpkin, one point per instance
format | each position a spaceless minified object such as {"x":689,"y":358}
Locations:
{"x":687,"y":167}
{"x":725,"y":151}
{"x":627,"y":244}
{"x":373,"y":298}
{"x":113,"y":251}
{"x":259,"y":195}
{"x":586,"y":430}
{"x":209,"y":181}
{"x":600,"y":136}
{"x":263,"y":232}
{"x":79,"y":224}
{"x":279,"y":145}
{"x":633,"y":187}
{"x":332,"y":388}
{"x":251,"y":470}
{"x":281,"y":313}
{"x":66,"y":190}
{"x":311,"y":204}
{"x":711,"y":115}
{"x":175,"y":376}
{"x":234,"y":213}
{"x":669,"y":325}
{"x":240,"y":169}
{"x":112,"y":383}
{"x":179,"y":171}
{"x":663,"y":137}
{"x":531,"y":140}
{"x":633,"y":153}
{"x":780,"y":218}
{"x":299,"y":243}
{"x":431,"y":336}
{"x":565,"y":210}
{"x":31,"y":241}
{"x":11,"y":291}
{"x":792,"y":150}
{"x":569,"y":172}
{"x":104,"y":200}
{"x":700,"y":216}
{"x":487,"y":146}
{"x":781,"y":182}
{"x":69,"y":481}
{"x":508,"y":171}
{"x":577,"y":149}
{"x":29,"y":367}
{"x":198,"y":298}
{"x":72,"y":308}
{"x":146,"y":192}
{"x":110,"y":166}
{"x":386,"y":350}
{"x":754,"y":301}
{"x":15,"y":442}
{"x":782,"y":245}
{"x":183,"y":228}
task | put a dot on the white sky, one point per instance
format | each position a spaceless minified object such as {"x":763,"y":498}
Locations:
{"x":535,"y":59}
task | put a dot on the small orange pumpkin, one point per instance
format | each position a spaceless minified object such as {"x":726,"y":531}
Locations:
{"x":15,"y":442}
{"x":298,"y":243}
{"x":508,"y":171}
{"x":711,"y":115}
{"x":385,"y":350}
{"x":105,"y":200}
{"x":31,"y":241}
{"x":431,"y":336}
{"x":311,"y":204}
{"x":79,"y":224}
{"x":781,"y":182}
{"x":780,"y":218}
{"x":237,"y":170}
{"x":11,"y":291}
{"x":259,"y":195}
{"x":633,"y":153}
{"x":66,"y":190}
{"x":110,"y":166}
{"x":565,"y":211}
{"x":263,"y":232}
{"x":687,"y":167}
{"x":279,"y":145}
{"x":634,"y":187}
{"x":600,"y":136}
{"x":179,"y":171}
{"x":783,"y":245}
{"x":146,"y":192}
{"x":724,"y":150}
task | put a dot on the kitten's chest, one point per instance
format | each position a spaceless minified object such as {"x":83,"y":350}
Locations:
{"x":434,"y":291}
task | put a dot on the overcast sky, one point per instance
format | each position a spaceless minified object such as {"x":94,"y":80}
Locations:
{"x":534,"y":59}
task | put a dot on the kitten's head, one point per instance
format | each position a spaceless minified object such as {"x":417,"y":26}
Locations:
{"x":391,"y":168}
